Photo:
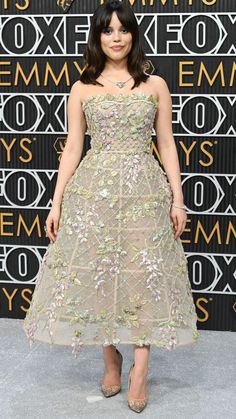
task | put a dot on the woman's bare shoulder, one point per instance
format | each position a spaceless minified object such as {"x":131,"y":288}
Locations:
{"x":84,"y":90}
{"x":159,"y":85}
{"x":80,"y":90}
{"x":78,"y":86}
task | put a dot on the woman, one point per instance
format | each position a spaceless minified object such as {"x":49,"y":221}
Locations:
{"x":115,"y":270}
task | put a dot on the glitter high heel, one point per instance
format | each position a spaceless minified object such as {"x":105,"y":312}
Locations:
{"x":112,"y":390}
{"x":137,"y":405}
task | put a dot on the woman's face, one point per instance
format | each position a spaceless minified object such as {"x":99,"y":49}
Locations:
{"x":116,"y":41}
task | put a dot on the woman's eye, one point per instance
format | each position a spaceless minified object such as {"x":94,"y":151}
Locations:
{"x":106,"y":30}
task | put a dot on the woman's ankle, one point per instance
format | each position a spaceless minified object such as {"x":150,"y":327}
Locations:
{"x":140,"y":370}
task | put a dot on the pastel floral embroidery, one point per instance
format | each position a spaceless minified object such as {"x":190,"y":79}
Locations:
{"x":115,"y":273}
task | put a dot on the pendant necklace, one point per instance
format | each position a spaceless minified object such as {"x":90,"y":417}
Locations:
{"x":119,"y":84}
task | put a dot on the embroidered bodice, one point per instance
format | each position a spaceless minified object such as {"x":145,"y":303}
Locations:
{"x":121,"y":122}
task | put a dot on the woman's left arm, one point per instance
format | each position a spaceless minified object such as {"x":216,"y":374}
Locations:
{"x":168,"y":154}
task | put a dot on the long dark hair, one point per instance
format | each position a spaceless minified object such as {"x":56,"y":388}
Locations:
{"x":94,"y":57}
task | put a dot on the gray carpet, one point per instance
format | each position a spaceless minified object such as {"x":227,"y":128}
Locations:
{"x":188,"y":382}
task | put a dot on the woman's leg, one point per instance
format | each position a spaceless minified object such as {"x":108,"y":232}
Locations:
{"x":139,"y":372}
{"x":112,"y":365}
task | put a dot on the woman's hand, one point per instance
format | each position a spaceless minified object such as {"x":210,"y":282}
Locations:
{"x":52,"y":222}
{"x":179,"y":218}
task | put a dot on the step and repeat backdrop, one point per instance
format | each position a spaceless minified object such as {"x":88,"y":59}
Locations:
{"x":192,"y":45}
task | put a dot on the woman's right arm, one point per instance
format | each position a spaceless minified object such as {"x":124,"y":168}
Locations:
{"x":70,"y":157}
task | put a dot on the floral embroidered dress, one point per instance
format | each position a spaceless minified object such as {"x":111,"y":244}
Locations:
{"x":115,"y":273}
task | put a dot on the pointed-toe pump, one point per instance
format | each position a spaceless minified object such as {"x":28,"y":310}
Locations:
{"x":112,"y":390}
{"x":137,"y":405}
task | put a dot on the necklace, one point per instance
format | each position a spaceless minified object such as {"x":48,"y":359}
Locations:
{"x":119,"y":84}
